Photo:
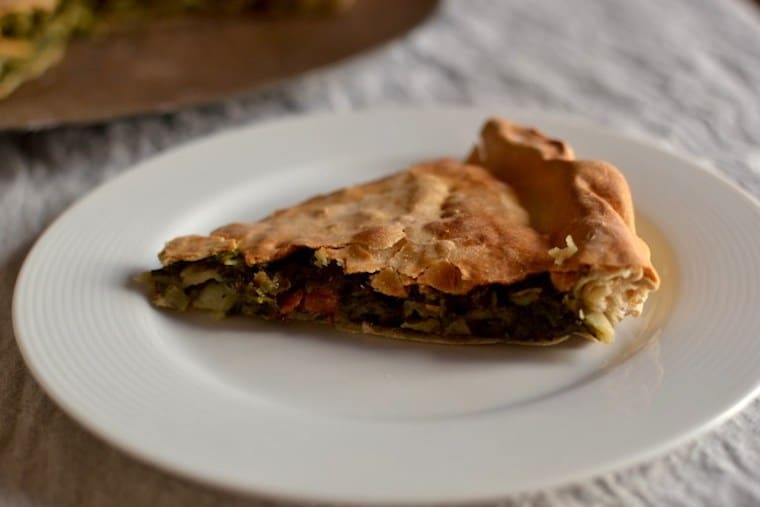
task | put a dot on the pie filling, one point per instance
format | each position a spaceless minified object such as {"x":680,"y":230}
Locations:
{"x":297,"y":288}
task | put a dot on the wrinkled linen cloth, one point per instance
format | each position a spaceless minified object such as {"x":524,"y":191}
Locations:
{"x":684,"y":72}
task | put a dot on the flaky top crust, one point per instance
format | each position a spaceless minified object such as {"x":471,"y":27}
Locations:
{"x":588,"y":200}
{"x":444,"y":224}
{"x":453,"y":226}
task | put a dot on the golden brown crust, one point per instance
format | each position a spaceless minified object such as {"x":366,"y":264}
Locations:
{"x":588,"y":200}
{"x":194,"y":248}
{"x":443,"y":224}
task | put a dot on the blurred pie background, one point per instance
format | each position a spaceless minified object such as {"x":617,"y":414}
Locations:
{"x":79,"y":61}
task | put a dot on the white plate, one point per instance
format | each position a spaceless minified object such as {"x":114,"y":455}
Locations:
{"x":295,"y":412}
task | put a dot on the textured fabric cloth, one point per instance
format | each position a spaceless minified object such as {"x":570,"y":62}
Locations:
{"x":686,"y":72}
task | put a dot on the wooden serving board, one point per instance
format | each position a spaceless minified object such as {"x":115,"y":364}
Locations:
{"x":175,"y":63}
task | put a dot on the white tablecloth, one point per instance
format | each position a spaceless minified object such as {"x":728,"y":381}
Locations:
{"x":686,"y":72}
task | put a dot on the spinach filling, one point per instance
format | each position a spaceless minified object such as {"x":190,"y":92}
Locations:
{"x":296,"y":288}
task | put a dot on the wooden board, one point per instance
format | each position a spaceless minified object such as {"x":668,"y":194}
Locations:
{"x":175,"y":63}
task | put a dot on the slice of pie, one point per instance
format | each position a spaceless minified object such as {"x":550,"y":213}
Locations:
{"x":521,"y":244}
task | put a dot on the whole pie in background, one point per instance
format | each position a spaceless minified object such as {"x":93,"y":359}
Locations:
{"x":34,"y":33}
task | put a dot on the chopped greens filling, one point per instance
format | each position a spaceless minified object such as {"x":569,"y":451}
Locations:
{"x":297,"y":288}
